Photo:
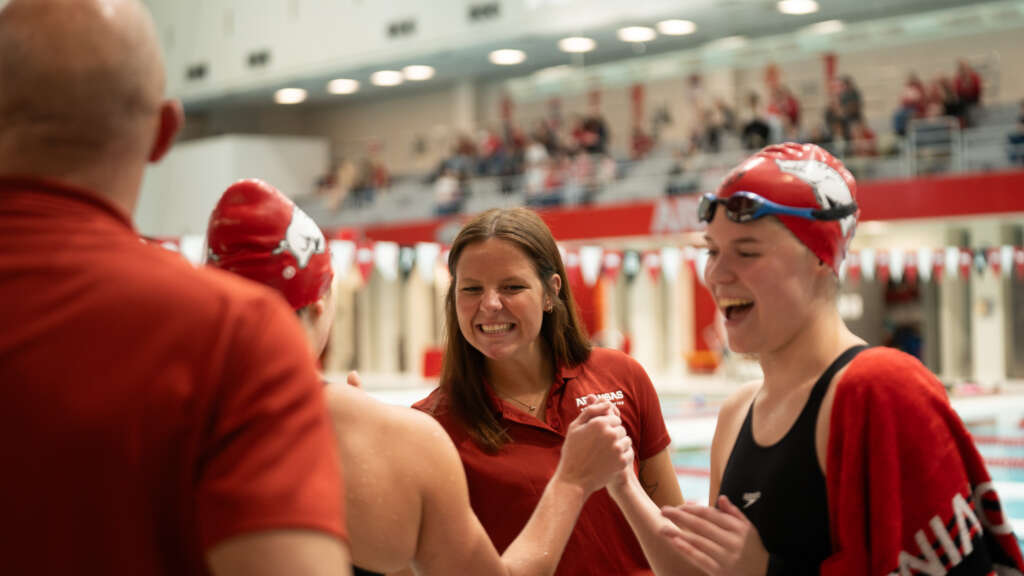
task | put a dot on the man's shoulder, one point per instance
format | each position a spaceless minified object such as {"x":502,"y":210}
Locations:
{"x":166,"y":283}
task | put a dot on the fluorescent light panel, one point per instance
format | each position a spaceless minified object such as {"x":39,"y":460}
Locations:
{"x":676,"y":27}
{"x":576,"y":44}
{"x":289,"y":95}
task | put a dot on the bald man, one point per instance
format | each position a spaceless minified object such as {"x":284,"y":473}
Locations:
{"x":139,"y":435}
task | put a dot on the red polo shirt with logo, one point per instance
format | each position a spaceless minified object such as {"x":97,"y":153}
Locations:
{"x":504,"y":488}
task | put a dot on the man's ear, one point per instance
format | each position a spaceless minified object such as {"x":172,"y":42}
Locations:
{"x":172,"y":118}
{"x":317,"y":309}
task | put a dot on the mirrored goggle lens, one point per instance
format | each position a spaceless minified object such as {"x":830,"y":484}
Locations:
{"x":706,"y":207}
{"x":741,"y":208}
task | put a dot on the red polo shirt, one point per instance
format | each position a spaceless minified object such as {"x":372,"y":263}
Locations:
{"x":504,"y":488}
{"x":150,"y":410}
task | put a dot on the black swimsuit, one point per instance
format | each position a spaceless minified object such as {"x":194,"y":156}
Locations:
{"x":780,"y":487}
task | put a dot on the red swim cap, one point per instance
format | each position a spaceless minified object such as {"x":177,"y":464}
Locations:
{"x":801,"y":176}
{"x":257,"y":232}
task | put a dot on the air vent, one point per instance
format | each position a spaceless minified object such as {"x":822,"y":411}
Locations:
{"x":401,"y":28}
{"x":196,"y":72}
{"x":485,"y":11}
{"x":259,"y":58}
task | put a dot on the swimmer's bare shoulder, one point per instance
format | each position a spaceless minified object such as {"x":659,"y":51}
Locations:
{"x":406,"y":493}
{"x":727,"y":428}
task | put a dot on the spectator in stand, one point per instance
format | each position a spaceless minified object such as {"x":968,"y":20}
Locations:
{"x":1016,"y":139}
{"x":967,"y":87}
{"x":492,"y":153}
{"x":448,"y":193}
{"x":942,"y":99}
{"x":756,"y":132}
{"x":546,"y":136}
{"x":535,"y":166}
{"x":863,"y":142}
{"x":821,"y":135}
{"x":708,"y":137}
{"x":786,"y":107}
{"x":641,"y":143}
{"x":851,"y":105}
{"x":833,"y":121}
{"x":464,"y":159}
{"x":913,"y":102}
{"x":726,"y":115}
{"x":577,"y":137}
{"x":596,"y":129}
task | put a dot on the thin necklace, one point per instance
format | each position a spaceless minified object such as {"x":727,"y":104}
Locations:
{"x":529,"y":407}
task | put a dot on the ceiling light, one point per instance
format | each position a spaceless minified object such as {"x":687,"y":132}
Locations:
{"x":386,"y":78}
{"x":576,"y":44}
{"x":343,"y":86}
{"x":637,"y":34}
{"x":553,"y":72}
{"x":797,"y":7}
{"x":289,"y":95}
{"x":826,"y":27}
{"x":507,"y":57}
{"x":727,"y":43}
{"x":676,"y":27}
{"x":418,"y":73}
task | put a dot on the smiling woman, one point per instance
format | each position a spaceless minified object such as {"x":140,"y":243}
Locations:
{"x":843,"y":460}
{"x":517,"y":369}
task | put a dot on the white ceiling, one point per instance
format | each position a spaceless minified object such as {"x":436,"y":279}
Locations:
{"x":715,"y":19}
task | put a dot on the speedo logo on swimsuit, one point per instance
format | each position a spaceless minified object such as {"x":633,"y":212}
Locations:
{"x":615,"y":397}
{"x":750,"y":497}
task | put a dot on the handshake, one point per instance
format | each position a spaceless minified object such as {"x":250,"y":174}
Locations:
{"x":597,"y":451}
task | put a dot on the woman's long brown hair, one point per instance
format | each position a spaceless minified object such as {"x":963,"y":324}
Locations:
{"x":462,"y":370}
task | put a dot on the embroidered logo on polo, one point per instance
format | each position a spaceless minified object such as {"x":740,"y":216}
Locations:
{"x":614,"y":397}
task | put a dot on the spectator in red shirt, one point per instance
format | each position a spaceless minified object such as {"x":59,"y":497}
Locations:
{"x":913,"y":103}
{"x":967,"y":84}
{"x":967,"y":87}
{"x":864,"y":142}
{"x":785,"y":105}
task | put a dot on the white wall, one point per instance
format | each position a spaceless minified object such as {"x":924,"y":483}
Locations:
{"x":394,"y":123}
{"x":179,"y":193}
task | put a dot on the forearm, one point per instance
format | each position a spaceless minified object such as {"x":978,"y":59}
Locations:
{"x":538,"y":548}
{"x":645,"y":519}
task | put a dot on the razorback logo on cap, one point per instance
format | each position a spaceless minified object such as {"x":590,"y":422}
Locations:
{"x":303,"y":238}
{"x":830,"y":189}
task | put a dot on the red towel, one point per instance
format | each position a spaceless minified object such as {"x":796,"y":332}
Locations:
{"x":908,"y":491}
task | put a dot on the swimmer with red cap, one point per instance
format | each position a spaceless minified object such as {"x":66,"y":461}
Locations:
{"x":844,"y":459}
{"x":406,"y":498}
{"x":255,"y":231}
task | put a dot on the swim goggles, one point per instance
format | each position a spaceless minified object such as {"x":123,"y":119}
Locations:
{"x":746,"y":206}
